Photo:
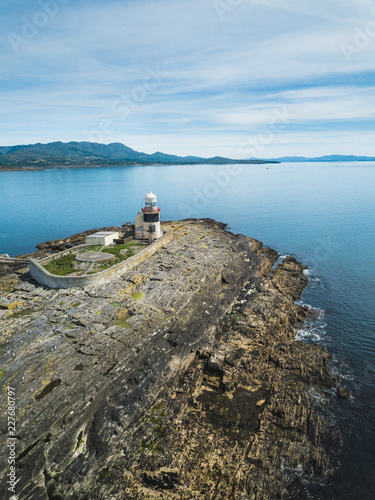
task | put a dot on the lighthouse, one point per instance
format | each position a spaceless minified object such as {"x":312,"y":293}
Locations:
{"x":147,"y":222}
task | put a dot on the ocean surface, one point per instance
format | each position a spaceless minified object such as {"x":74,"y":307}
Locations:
{"x":321,"y":213}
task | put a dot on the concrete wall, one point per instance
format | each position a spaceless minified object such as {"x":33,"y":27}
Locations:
{"x":139,"y":220}
{"x":11,"y":261}
{"x":42,"y":276}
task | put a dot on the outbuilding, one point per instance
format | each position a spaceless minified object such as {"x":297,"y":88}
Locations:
{"x":102,"y":238}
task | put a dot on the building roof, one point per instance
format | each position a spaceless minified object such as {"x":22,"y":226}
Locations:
{"x":103,"y":233}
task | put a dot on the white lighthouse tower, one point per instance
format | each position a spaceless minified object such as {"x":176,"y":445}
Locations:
{"x":147,"y":222}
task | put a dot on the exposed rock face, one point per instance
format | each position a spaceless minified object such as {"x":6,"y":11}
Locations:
{"x":180,"y":380}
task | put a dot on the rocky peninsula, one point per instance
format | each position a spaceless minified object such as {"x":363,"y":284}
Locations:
{"x":181,"y":379}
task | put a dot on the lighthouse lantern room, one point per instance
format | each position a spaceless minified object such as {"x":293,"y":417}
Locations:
{"x":147,"y":222}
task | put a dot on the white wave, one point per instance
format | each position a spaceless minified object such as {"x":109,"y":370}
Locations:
{"x":318,"y":397}
{"x":304,"y":304}
{"x":309,"y":334}
{"x":314,"y":329}
{"x":313,"y":278}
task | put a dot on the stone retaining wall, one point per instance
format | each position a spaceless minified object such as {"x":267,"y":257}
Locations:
{"x":13,"y":261}
{"x":42,"y":276}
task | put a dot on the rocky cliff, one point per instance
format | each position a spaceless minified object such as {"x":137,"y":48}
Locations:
{"x":179,"y":380}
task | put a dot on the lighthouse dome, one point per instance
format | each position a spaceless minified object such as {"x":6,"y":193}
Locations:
{"x":150,"y":196}
{"x":150,"y":199}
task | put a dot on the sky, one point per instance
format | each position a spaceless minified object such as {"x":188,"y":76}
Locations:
{"x":234,"y":78}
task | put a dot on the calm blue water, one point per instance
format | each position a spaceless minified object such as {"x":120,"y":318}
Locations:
{"x":324,"y":214}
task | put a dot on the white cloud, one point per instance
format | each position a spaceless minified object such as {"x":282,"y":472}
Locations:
{"x":219,"y":78}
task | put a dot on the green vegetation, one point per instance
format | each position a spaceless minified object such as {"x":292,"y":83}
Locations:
{"x":83,"y":153}
{"x":115,"y":250}
{"x":152,"y":446}
{"x":2,"y":373}
{"x":138,"y":295}
{"x":25,"y":312}
{"x":158,"y":413}
{"x":103,"y":477}
{"x":156,"y":419}
{"x":110,"y":476}
{"x":123,"y":322}
{"x":92,"y":248}
{"x":79,"y":440}
{"x":103,"y":267}
{"x":61,"y":266}
{"x":70,"y":326}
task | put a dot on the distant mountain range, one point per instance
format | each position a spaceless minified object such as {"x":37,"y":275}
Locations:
{"x":324,"y":158}
{"x":41,"y":156}
{"x":74,"y":154}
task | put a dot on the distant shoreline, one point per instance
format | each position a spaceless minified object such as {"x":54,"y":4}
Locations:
{"x":83,"y":154}
{"x":29,"y":168}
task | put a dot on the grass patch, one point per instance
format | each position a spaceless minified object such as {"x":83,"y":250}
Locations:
{"x":61,"y":266}
{"x":158,"y":413}
{"x":2,"y":373}
{"x":70,"y":326}
{"x":116,"y":249}
{"x":92,"y":248}
{"x":124,"y":322}
{"x":156,"y":418}
{"x":138,"y":295}
{"x":104,"y":267}
{"x":25,"y":312}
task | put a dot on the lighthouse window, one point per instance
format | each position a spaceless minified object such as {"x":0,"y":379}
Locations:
{"x":151,"y":217}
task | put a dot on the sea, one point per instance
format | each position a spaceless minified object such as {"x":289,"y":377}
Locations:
{"x":321,"y":213}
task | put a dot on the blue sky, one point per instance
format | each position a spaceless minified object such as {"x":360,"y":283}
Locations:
{"x":237,"y":78}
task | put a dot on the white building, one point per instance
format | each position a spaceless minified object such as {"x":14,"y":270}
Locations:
{"x":102,"y":238}
{"x":147,"y":222}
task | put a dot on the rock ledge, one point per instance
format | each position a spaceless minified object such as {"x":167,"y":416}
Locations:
{"x":178,"y":380}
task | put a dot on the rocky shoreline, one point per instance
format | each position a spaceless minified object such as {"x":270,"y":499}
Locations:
{"x":179,"y":380}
